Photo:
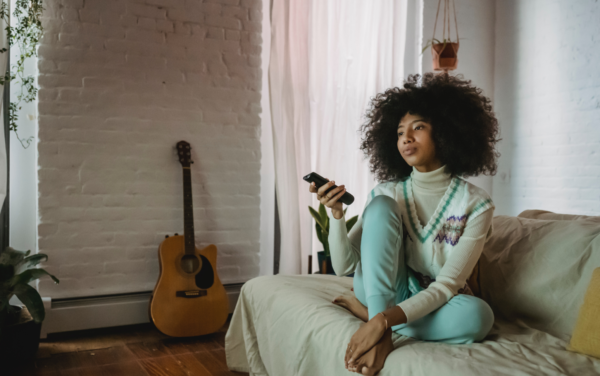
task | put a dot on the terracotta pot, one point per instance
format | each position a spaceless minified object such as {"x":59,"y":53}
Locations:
{"x":446,"y":59}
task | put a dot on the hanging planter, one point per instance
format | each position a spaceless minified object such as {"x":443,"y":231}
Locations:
{"x":444,"y":53}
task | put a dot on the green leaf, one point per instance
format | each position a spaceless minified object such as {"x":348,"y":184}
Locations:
{"x":319,"y":235}
{"x":31,"y":275}
{"x":32,"y":261}
{"x":323,"y":213}
{"x":317,"y":218}
{"x":351,"y":222}
{"x":11,"y":256}
{"x":32,"y":300}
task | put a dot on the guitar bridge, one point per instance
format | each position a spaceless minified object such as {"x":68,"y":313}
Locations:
{"x":190,"y":294}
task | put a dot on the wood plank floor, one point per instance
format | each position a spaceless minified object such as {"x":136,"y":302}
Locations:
{"x":136,"y":350}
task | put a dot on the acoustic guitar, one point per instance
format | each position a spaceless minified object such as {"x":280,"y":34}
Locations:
{"x":189,"y":299}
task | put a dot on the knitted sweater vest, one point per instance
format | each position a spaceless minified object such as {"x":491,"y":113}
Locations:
{"x":427,"y":248}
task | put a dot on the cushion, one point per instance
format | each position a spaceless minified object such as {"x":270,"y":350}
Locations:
{"x":473,"y":281}
{"x":544,"y":214}
{"x":586,"y":335}
{"x":537,"y":271}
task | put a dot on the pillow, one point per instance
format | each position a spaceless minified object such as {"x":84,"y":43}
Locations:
{"x":548,"y":215}
{"x":473,"y":280}
{"x":586,"y":334}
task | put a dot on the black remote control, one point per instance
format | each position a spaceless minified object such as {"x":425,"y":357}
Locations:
{"x":319,"y":181}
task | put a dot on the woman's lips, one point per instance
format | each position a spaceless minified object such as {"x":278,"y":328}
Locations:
{"x":410,"y":151}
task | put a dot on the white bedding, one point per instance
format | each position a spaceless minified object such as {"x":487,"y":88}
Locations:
{"x":287,"y":325}
{"x":533,"y":273}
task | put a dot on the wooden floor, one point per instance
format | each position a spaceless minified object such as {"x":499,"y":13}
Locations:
{"x":129,"y":350}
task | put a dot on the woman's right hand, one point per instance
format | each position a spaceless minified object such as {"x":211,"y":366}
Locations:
{"x":331,"y":201}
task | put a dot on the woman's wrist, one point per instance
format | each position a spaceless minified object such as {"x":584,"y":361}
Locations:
{"x":394,"y":315}
{"x":337,"y":214}
{"x":380,"y":321}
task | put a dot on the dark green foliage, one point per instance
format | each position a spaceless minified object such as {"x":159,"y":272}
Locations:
{"x":17,"y":270}
{"x":26,"y":34}
{"x":322,"y":225}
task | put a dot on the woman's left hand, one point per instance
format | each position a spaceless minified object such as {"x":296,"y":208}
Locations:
{"x":364,"y":339}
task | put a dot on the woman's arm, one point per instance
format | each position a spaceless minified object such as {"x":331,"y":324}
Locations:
{"x":344,"y":246}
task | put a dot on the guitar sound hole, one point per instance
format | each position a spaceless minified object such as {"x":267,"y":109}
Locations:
{"x":189,"y":264}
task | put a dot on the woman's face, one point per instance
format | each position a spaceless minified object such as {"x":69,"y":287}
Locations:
{"x":415,"y":143}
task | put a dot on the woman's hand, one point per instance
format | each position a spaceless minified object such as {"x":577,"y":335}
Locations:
{"x":364,"y":339}
{"x":331,"y":200}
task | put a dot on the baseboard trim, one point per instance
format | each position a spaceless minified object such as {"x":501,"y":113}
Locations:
{"x":65,"y":315}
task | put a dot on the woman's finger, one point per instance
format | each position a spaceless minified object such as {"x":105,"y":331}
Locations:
{"x":325,"y":187}
{"x":334,"y":199}
{"x":323,"y":197}
{"x":349,"y":352}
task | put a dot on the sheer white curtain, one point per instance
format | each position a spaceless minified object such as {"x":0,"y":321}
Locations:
{"x":329,"y":58}
{"x":3,"y":160}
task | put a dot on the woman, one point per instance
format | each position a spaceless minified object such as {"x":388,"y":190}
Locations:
{"x":423,"y":228}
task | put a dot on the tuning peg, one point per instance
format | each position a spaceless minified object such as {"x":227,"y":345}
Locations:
{"x":191,"y":161}
{"x":176,"y":234}
{"x":166,"y":236}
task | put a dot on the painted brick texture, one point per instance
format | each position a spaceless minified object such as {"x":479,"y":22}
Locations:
{"x":121,"y":82}
{"x":547,"y":98}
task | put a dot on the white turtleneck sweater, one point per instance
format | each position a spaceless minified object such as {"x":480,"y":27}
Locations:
{"x":428,"y":190}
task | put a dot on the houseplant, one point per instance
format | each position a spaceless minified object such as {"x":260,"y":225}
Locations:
{"x":20,"y":326}
{"x":322,"y":227}
{"x":444,"y":53}
{"x":25,"y":34}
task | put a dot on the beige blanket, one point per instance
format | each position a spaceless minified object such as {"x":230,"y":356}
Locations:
{"x":533,"y":272}
{"x":287,"y":325}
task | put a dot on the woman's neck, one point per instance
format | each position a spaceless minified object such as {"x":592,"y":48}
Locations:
{"x":432,"y":180}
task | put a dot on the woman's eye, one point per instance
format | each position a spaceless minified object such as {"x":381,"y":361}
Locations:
{"x":400,"y":134}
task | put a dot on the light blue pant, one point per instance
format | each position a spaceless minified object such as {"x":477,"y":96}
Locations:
{"x":382,"y":280}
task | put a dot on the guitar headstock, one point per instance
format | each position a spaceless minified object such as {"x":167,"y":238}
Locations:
{"x":184,"y":153}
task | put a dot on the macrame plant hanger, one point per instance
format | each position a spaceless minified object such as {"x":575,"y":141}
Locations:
{"x":445,"y":54}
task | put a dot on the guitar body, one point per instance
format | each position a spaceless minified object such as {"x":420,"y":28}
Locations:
{"x":189,"y":299}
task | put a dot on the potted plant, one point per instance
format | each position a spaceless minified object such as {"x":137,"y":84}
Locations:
{"x":322,"y":227}
{"x":20,"y":326}
{"x":445,"y":53}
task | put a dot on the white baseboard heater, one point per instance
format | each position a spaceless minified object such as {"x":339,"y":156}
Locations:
{"x":65,"y":315}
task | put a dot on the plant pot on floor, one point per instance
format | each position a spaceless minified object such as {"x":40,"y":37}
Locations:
{"x":325,"y":263}
{"x":328,"y":267}
{"x":20,"y":338}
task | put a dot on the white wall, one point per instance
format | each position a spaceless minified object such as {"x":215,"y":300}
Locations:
{"x":121,"y":82}
{"x":475,"y":20}
{"x":547,"y":98}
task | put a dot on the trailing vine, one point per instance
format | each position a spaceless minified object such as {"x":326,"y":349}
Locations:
{"x":26,"y":34}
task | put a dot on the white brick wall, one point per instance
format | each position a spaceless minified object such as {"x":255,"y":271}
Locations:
{"x":121,"y":82}
{"x":547,"y":98}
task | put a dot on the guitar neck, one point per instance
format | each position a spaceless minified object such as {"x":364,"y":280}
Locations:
{"x":188,"y":212}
